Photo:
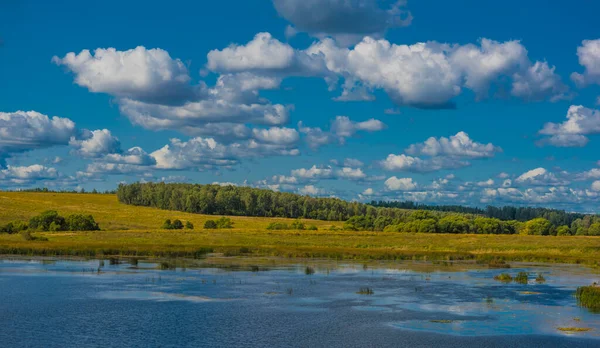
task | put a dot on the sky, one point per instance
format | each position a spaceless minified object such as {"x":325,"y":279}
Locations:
{"x":440,"y":102}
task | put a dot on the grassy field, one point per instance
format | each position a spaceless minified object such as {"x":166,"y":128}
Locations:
{"x":129,"y":230}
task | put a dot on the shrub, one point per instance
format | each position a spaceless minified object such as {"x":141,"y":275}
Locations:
{"x":80,"y":222}
{"x":43,"y":221}
{"x":210,"y":225}
{"x":297,"y":225}
{"x":278,"y":226}
{"x":13,"y":227}
{"x":177,"y":224}
{"x":312,"y":228}
{"x":224,"y":222}
{"x":167,"y":225}
{"x":189,"y":225}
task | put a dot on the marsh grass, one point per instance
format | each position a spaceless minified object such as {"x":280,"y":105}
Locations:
{"x":522,"y":278}
{"x":309,"y":270}
{"x":574,"y":329}
{"x":504,"y":277}
{"x":589,"y":297}
{"x":442,"y":321}
{"x":540,"y":278}
{"x":498,"y":264}
{"x":365,"y":291}
{"x":167,"y":265}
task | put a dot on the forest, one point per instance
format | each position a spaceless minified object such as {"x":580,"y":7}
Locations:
{"x":248,"y":201}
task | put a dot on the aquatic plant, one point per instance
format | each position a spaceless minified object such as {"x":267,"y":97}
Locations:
{"x":574,"y":329}
{"x":540,"y":278}
{"x":442,"y":321}
{"x":166,"y":265}
{"x":133,"y":261}
{"x":504,"y":277}
{"x":365,"y":291}
{"x":589,"y":297}
{"x":522,"y":278}
{"x":289,"y":291}
{"x":309,"y":270}
{"x":113,"y":261}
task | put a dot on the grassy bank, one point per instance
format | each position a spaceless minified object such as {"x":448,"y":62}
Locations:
{"x":130,"y":230}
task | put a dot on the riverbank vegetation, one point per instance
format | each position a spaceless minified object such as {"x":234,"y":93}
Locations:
{"x":589,"y":297}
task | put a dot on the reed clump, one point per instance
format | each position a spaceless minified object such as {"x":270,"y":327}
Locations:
{"x":589,"y":297}
{"x":365,"y":291}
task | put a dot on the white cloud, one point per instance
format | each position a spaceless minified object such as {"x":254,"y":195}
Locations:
{"x":353,"y":162}
{"x":149,"y":75}
{"x":27,"y":174}
{"x":341,"y":128}
{"x":313,"y":173}
{"x":596,"y":185}
{"x":351,"y":173}
{"x":135,"y":155}
{"x":489,"y":182}
{"x":310,"y":190}
{"x":28,"y":130}
{"x":96,"y":143}
{"x":346,"y":20}
{"x":276,"y":135}
{"x":580,"y":121}
{"x":265,"y":55}
{"x":589,"y":58}
{"x":403,"y":162}
{"x":459,"y":145}
{"x":431,"y":74}
{"x":593,"y":173}
{"x":400,"y":184}
{"x":368,"y":192}
{"x":540,"y":176}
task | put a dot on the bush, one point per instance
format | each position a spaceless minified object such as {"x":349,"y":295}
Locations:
{"x":177,"y":225}
{"x":79,"y":222}
{"x":43,"y":221}
{"x":189,"y":225}
{"x":297,"y":225}
{"x":167,"y":225}
{"x":312,"y":228}
{"x":13,"y":227}
{"x":278,"y":226}
{"x":224,"y":222}
{"x":210,"y":225}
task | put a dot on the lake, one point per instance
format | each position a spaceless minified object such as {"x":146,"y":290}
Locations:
{"x":69,"y":303}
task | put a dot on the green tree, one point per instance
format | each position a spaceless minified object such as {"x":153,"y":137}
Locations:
{"x":43,"y":221}
{"x":167,"y":225}
{"x":189,"y":225}
{"x":538,"y":227}
{"x":594,"y":229}
{"x":79,"y":222}
{"x":177,"y":224}
{"x":563,"y":231}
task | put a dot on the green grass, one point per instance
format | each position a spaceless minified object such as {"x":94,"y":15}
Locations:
{"x":504,"y":277}
{"x":589,"y":297}
{"x":135,"y":231}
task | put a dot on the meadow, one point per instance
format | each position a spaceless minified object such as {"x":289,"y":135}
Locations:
{"x":135,"y":231}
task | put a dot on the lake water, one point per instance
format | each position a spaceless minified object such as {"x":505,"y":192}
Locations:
{"x":71,"y":304}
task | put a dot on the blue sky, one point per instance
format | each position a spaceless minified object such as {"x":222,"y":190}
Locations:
{"x":463,"y":102}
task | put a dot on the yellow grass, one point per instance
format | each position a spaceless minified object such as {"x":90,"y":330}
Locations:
{"x":129,"y":230}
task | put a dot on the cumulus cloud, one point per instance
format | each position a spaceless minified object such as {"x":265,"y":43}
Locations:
{"x":400,"y":184}
{"x":459,"y":145}
{"x":148,"y":75}
{"x":310,"y":190}
{"x":589,"y":58}
{"x":351,"y":173}
{"x":353,"y":162}
{"x":276,"y":135}
{"x":540,"y":176}
{"x":341,"y":128}
{"x":27,"y":174}
{"x":581,"y":121}
{"x":313,"y":172}
{"x":403,"y":162}
{"x":135,"y":156}
{"x":345,"y":20}
{"x":430,"y":75}
{"x":22,"y":131}
{"x":96,"y":143}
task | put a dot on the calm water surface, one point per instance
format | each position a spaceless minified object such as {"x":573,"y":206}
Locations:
{"x":71,"y":304}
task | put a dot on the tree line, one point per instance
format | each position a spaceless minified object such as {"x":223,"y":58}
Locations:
{"x":506,"y":213}
{"x":248,"y":201}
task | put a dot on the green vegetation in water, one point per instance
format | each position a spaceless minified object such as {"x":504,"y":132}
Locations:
{"x":166,"y":265}
{"x":442,"y":321}
{"x":504,"y":277}
{"x":529,"y":293}
{"x":540,"y":278}
{"x":365,"y":291}
{"x":574,"y":329}
{"x":309,"y":270}
{"x":522,"y":278}
{"x":589,"y":297}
